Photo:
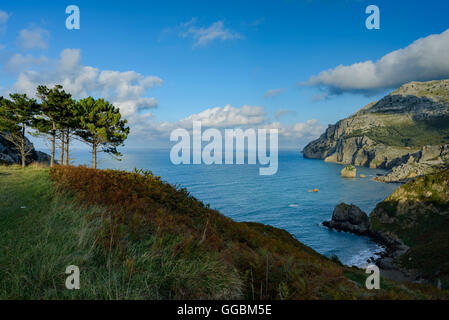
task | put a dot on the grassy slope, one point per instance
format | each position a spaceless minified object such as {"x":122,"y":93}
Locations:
{"x":405,"y":132}
{"x":401,"y":130}
{"x":418,"y":213}
{"x":135,"y":237}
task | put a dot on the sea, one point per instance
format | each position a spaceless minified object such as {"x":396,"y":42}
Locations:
{"x":282,"y":200}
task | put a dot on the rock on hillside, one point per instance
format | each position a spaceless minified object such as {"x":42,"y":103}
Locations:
{"x":408,"y":126}
{"x":9,"y":155}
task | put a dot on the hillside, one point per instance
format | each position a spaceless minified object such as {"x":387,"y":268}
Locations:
{"x":136,"y":237}
{"x":408,"y":127}
{"x":417,"y":213}
{"x":413,"y":225}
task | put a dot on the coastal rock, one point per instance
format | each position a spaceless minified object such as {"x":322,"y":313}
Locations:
{"x":349,"y":172}
{"x":9,"y":155}
{"x":428,"y":160}
{"x":349,"y":218}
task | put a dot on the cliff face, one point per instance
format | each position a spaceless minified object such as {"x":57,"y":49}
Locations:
{"x":9,"y":155}
{"x":408,"y":127}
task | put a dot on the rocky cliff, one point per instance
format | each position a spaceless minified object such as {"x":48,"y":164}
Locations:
{"x":413,"y":224}
{"x":9,"y":155}
{"x":418,"y":214}
{"x":407,"y":132}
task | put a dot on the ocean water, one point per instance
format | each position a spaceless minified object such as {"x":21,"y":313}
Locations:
{"x":282,"y":200}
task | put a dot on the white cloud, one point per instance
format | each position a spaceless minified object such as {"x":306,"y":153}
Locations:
{"x":229,"y":116}
{"x":127,"y":90}
{"x":424,"y":59}
{"x":273,"y":92}
{"x":203,"y":36}
{"x":4,"y":16}
{"x":310,"y":129}
{"x":20,"y":62}
{"x":33,"y":37}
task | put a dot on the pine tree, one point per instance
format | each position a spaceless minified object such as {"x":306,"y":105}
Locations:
{"x":15,"y":116}
{"x":71,"y":125}
{"x":102,"y":127}
{"x":54,"y":112}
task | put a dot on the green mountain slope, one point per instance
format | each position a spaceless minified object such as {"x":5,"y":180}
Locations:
{"x":418,"y":214}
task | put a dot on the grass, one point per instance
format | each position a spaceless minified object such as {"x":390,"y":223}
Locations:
{"x":52,"y":232}
{"x":407,"y":132}
{"x":136,"y":237}
{"x":436,"y":89}
{"x":419,"y":215}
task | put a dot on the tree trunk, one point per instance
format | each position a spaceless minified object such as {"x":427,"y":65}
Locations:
{"x":61,"y":161}
{"x":22,"y":146}
{"x":67,"y":141}
{"x":94,"y":155}
{"x":53,"y":145}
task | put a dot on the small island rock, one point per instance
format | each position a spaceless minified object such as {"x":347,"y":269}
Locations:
{"x":349,"y":218}
{"x":349,"y":172}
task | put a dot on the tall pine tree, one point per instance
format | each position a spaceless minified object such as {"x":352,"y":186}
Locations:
{"x":54,"y":112}
{"x":102,"y":127}
{"x":15,"y":116}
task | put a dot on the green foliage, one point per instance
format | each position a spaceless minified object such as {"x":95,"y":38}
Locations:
{"x":15,"y":116}
{"x":96,"y":122}
{"x":17,"y":112}
{"x":417,"y":213}
{"x":8,"y":120}
{"x":413,"y":134}
{"x":55,"y":108}
{"x":102,"y":126}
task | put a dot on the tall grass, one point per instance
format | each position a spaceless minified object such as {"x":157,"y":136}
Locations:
{"x":44,"y":231}
{"x":136,"y":237}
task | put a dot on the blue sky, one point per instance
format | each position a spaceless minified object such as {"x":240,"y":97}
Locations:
{"x":193,"y":56}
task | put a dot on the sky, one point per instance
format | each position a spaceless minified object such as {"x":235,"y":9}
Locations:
{"x":293,"y":65}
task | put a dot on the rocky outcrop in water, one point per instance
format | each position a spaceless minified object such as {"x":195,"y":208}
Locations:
{"x":349,"y":172}
{"x":9,"y":155}
{"x":408,"y":127}
{"x":412,"y":224}
{"x":349,"y":218}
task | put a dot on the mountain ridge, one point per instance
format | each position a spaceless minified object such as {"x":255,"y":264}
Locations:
{"x":408,"y":127}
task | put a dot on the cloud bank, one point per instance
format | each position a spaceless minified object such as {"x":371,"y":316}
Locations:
{"x":424,"y":59}
{"x":229,"y":117}
{"x":127,"y":90}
